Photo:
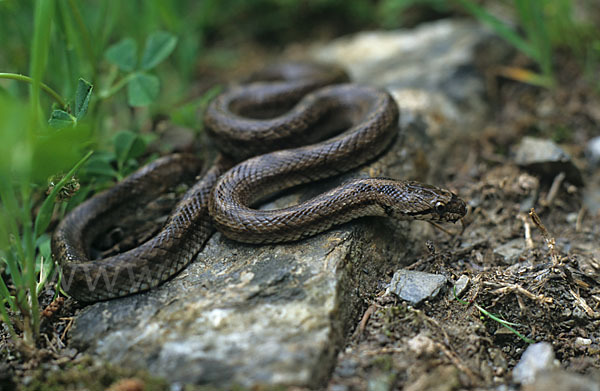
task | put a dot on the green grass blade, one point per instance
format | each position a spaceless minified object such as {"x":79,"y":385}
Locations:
{"x":6,"y":319}
{"x":504,"y":324}
{"x":86,"y":37}
{"x":43,"y":14}
{"x":495,"y":318}
{"x":500,"y":28}
{"x":5,"y":295}
{"x":539,"y":34}
{"x":10,"y":216}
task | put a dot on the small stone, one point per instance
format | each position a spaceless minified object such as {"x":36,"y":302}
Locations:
{"x":346,"y":368}
{"x":579,"y":341}
{"x":459,"y":286}
{"x":572,"y":218}
{"x":592,"y":151}
{"x":547,"y":159}
{"x":416,"y":287}
{"x":70,"y":352}
{"x":591,"y":197}
{"x":381,"y":382}
{"x":511,"y":251}
{"x":536,"y":358}
{"x":421,"y":345}
{"x":131,"y":384}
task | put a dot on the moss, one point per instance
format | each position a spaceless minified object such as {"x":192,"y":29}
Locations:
{"x":87,"y":375}
{"x":384,"y":363}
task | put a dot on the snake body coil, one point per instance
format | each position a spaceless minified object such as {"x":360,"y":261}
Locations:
{"x":225,"y":196}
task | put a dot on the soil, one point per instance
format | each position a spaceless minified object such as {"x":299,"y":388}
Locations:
{"x":549,"y":288}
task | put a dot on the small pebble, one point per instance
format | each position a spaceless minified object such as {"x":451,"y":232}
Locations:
{"x":459,"y":286}
{"x":421,"y":344}
{"x":415,"y":287}
{"x":511,"y":251}
{"x":592,"y":151}
{"x":536,"y":358}
{"x":547,"y":159}
{"x":579,"y":341}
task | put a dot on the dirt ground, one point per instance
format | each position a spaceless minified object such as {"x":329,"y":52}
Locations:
{"x":547,"y":282}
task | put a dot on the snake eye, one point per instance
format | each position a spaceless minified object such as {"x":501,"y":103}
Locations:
{"x":440,"y":208}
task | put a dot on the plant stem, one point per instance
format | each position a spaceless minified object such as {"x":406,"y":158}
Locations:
{"x":45,"y":87}
{"x":86,"y":36}
{"x":104,"y":94}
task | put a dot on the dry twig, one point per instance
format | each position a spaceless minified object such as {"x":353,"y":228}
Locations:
{"x":550,"y":242}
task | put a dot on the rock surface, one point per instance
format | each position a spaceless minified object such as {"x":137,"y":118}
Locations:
{"x":277,"y":315}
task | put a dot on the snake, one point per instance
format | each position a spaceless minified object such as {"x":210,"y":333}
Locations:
{"x":286,"y":125}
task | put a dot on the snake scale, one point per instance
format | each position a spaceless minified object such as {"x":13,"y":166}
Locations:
{"x":263,"y":129}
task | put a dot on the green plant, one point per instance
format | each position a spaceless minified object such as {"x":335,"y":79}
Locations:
{"x":35,"y":149}
{"x":29,"y":153}
{"x":61,"y":118}
{"x":393,"y":13}
{"x":545,"y":26}
{"x":142,"y":87}
{"x":120,"y":160}
{"x":502,"y":322}
{"x":534,"y":42}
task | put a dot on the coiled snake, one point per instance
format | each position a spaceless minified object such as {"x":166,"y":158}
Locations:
{"x":296,"y":98}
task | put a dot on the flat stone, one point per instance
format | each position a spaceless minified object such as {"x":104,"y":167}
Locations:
{"x":547,"y":159}
{"x":261,"y":316}
{"x":416,"y":287}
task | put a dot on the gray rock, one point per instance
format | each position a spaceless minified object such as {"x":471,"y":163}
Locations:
{"x":547,"y":159}
{"x":581,"y":342}
{"x":591,"y":196}
{"x":381,"y":382}
{"x":536,"y":358}
{"x":511,"y":250}
{"x":592,"y":151}
{"x":246,"y":314}
{"x":430,"y":70}
{"x":459,"y":287}
{"x":415,"y":287}
{"x":278,"y":314}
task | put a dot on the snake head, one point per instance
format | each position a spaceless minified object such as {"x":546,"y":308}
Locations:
{"x":418,"y":201}
{"x":452,"y":210}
